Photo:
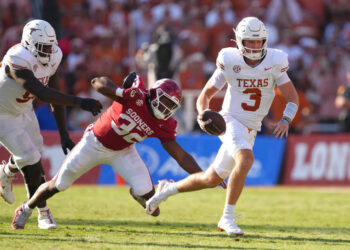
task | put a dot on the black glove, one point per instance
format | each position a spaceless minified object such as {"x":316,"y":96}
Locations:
{"x":129,"y":80}
{"x":66,"y":144}
{"x":89,"y":104}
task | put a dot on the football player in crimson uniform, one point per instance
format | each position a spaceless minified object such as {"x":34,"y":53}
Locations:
{"x":136,"y":113}
{"x":252,"y":72}
{"x":28,"y":71}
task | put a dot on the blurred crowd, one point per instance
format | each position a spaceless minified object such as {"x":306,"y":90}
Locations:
{"x":181,"y":39}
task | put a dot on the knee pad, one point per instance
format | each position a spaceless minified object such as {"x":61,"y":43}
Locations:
{"x":29,"y":159}
{"x":142,"y":188}
{"x":64,"y":179}
{"x":61,"y":186}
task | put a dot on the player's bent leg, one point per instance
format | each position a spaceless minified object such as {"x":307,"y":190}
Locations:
{"x":129,"y":165}
{"x":34,"y":177}
{"x":244,"y":159}
{"x":44,"y":192}
{"x":199,"y":181}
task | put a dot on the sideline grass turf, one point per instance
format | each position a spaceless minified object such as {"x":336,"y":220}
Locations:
{"x":91,"y":217}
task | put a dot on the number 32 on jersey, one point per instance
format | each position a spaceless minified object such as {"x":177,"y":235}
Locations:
{"x":125,"y":130}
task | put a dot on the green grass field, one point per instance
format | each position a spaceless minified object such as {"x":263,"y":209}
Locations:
{"x":92,"y":217}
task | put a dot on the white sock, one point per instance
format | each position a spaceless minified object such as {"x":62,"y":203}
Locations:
{"x":26,"y":207}
{"x":42,"y":209}
{"x":8,"y":171}
{"x":172,"y":189}
{"x":229,"y":211}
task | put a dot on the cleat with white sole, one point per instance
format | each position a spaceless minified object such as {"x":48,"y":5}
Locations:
{"x":6,"y":185}
{"x":162,"y":193}
{"x":229,"y":226}
{"x":21,"y":217}
{"x":142,"y":202}
{"x":46,"y":220}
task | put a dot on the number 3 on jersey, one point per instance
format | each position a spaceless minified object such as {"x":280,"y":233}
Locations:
{"x":255,"y":94}
{"x":126,"y":129}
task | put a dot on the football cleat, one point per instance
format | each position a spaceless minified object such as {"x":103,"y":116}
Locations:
{"x":46,"y":220}
{"x":229,"y":226}
{"x":21,"y":217}
{"x":6,"y":185}
{"x":161,"y":194}
{"x":142,"y":202}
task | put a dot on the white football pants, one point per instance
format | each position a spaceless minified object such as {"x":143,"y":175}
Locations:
{"x":89,"y":152}
{"x":20,"y":135}
{"x":236,"y":137}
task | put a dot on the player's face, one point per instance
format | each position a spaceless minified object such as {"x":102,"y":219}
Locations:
{"x":166,"y":105}
{"x":253,"y":45}
{"x":44,"y":50}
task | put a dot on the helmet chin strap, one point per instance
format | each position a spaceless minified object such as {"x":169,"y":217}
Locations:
{"x":43,"y":60}
{"x":251,"y":55}
{"x":245,"y":54}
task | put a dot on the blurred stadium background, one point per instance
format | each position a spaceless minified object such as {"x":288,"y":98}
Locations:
{"x":181,"y":39}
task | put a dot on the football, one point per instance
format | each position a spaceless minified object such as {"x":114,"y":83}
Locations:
{"x":213,"y":122}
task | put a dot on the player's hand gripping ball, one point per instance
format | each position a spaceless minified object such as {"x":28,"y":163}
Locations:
{"x":212,"y":122}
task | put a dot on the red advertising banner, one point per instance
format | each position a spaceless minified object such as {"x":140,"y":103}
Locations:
{"x":317,"y":160}
{"x":53,"y":156}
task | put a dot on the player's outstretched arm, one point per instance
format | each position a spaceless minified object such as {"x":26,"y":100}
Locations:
{"x":107,"y":87}
{"x":27,"y":80}
{"x":184,"y":159}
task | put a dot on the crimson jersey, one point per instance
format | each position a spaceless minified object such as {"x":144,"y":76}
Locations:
{"x":128,"y":121}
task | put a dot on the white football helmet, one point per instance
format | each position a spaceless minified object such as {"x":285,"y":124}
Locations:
{"x":40,"y":39}
{"x":251,"y":28}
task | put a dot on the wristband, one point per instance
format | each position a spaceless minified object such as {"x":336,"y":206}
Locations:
{"x":290,"y":110}
{"x":285,"y":120}
{"x":119,"y":92}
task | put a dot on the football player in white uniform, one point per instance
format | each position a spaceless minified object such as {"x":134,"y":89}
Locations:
{"x":26,"y":72}
{"x":252,"y":72}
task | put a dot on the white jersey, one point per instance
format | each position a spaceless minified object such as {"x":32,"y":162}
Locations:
{"x":251,"y":90}
{"x":14,"y":99}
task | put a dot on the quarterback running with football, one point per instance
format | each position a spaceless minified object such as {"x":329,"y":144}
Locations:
{"x":252,"y":72}
{"x":136,"y":113}
{"x":28,"y":71}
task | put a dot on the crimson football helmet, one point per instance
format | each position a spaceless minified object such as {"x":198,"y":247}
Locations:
{"x":39,"y":37}
{"x":165,"y":98}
